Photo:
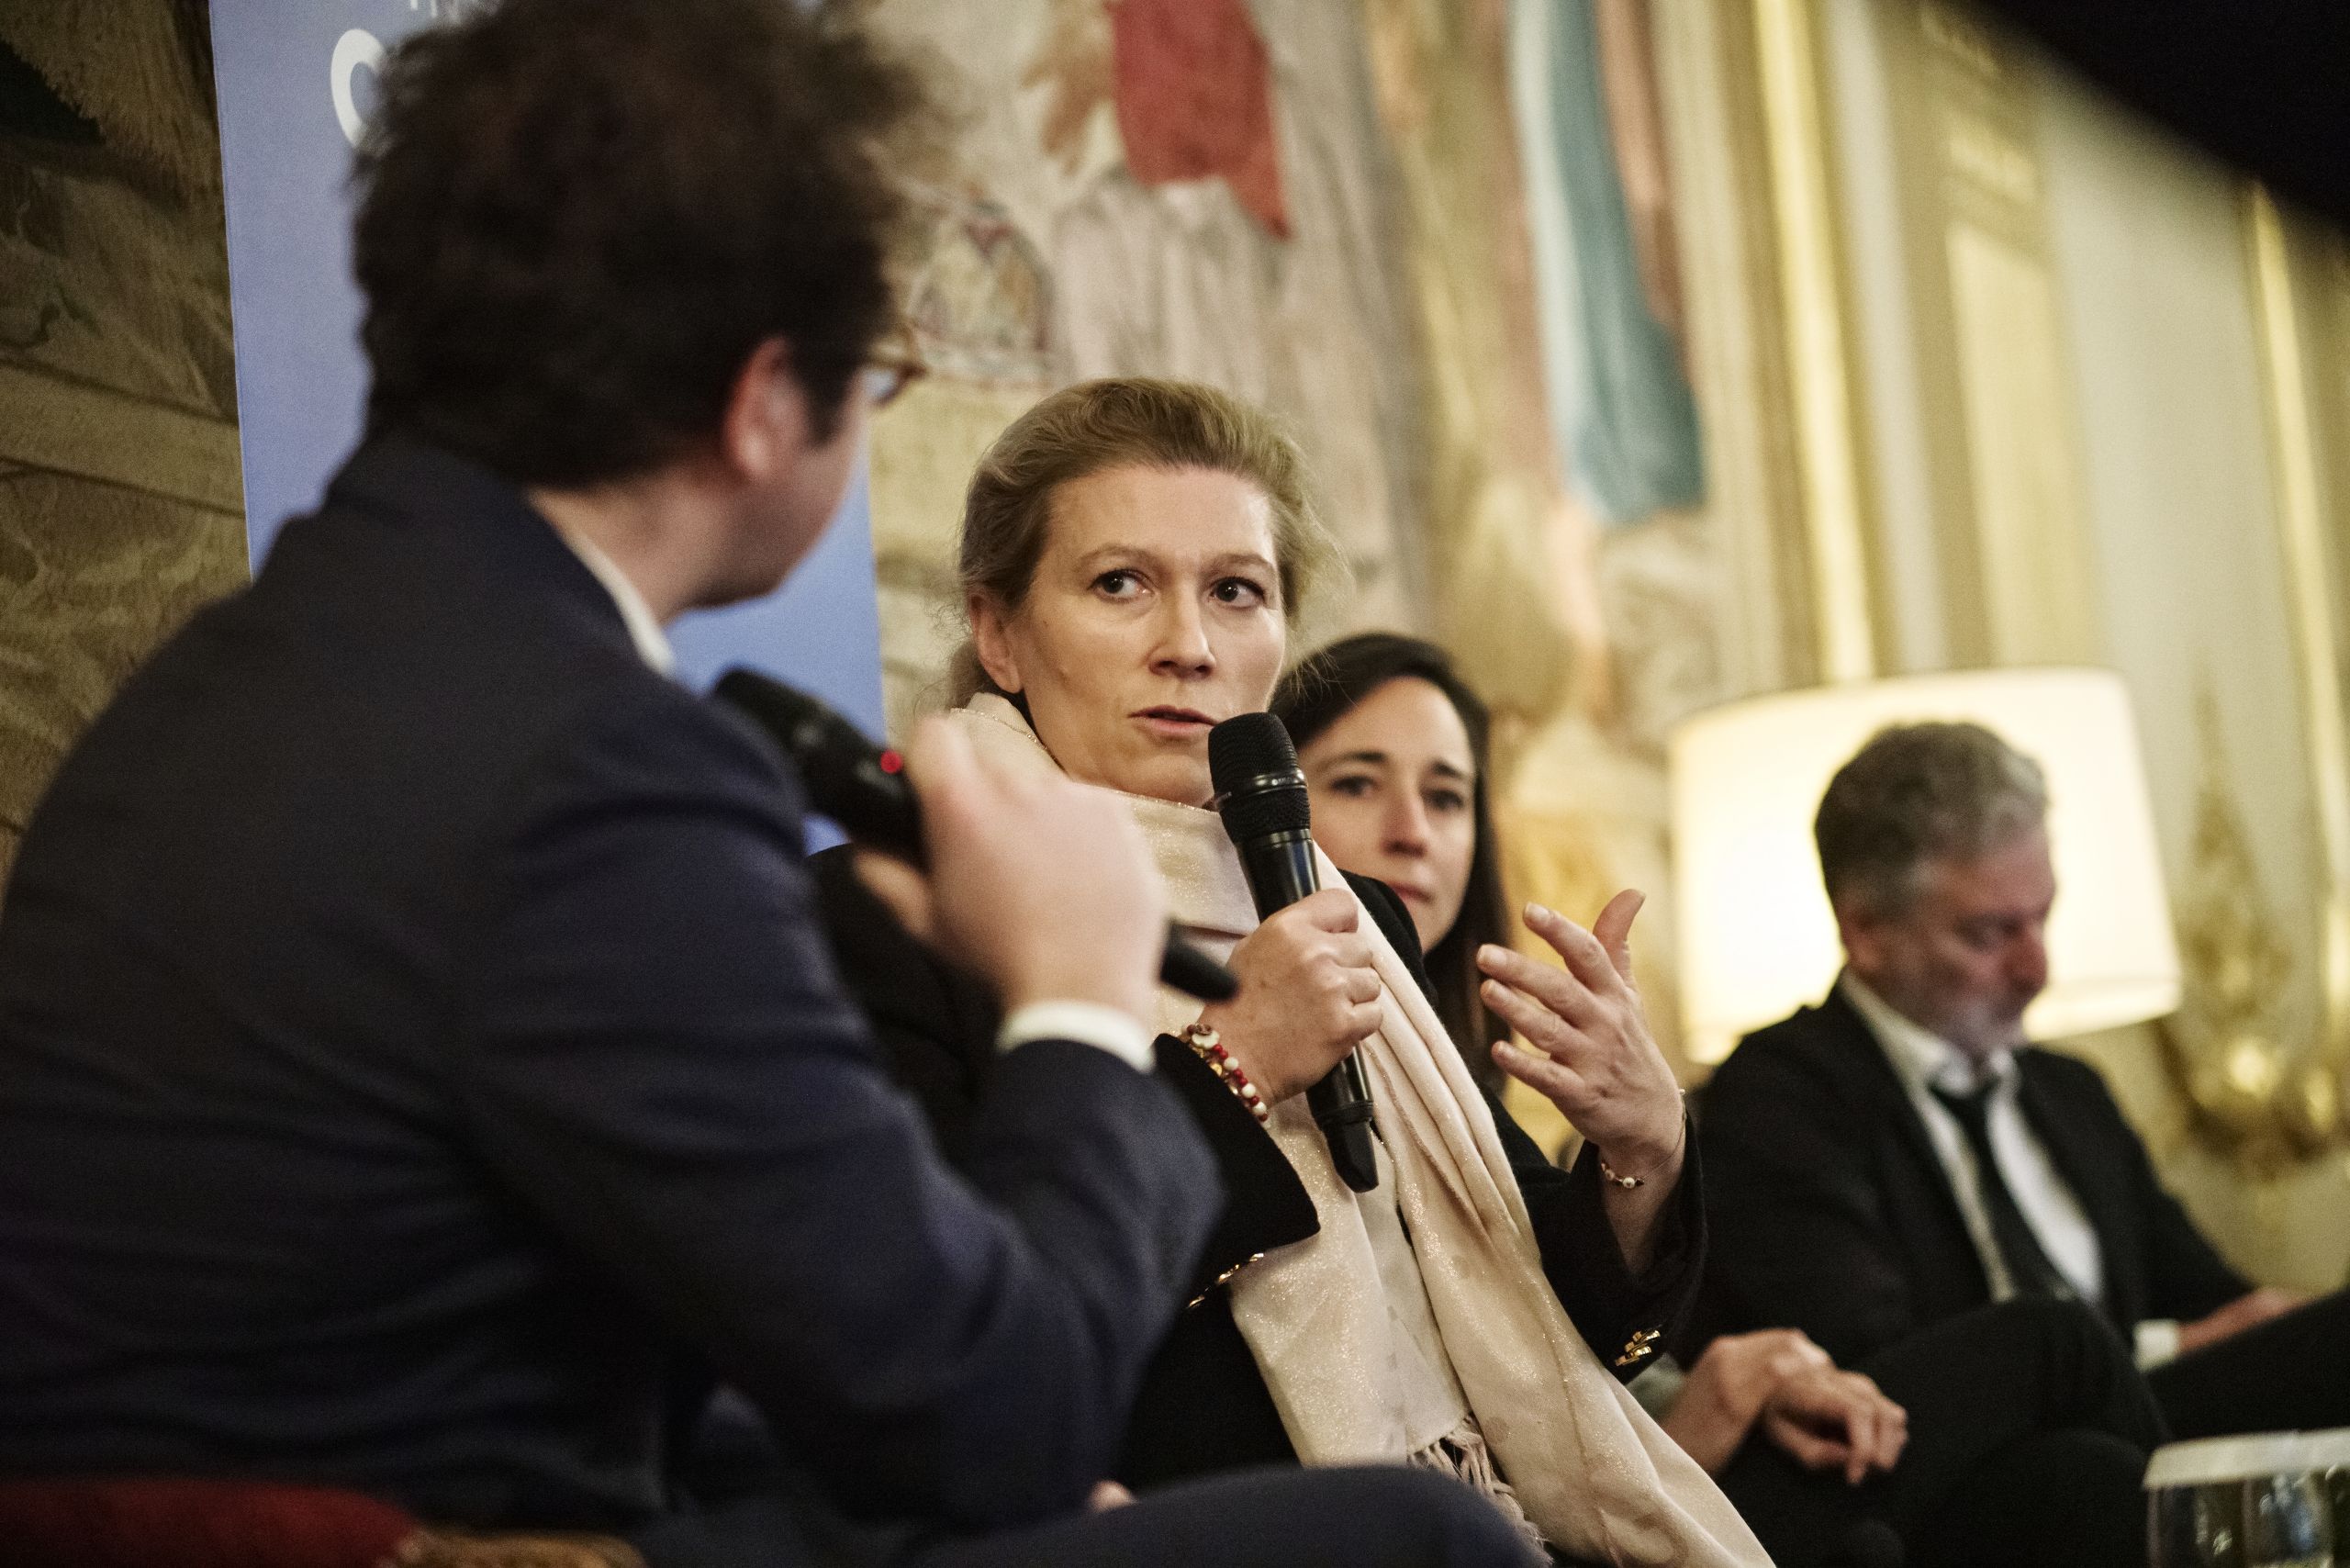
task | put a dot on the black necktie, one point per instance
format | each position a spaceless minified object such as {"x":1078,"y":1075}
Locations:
{"x":2028,"y":1265}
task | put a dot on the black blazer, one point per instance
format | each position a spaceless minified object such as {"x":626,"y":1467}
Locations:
{"x":1831,"y":1213}
{"x":414,"y":1035}
{"x":1203,"y":1405}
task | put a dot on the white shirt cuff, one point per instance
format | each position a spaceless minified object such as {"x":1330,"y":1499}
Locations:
{"x":2157,"y":1342}
{"x":1088,"y":1023}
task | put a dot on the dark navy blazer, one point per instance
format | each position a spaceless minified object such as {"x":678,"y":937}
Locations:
{"x":414,"y":1031}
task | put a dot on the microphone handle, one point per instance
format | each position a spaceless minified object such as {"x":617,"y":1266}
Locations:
{"x":1280,"y":870}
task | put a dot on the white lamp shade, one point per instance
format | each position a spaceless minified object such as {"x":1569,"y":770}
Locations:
{"x":1756,"y":937}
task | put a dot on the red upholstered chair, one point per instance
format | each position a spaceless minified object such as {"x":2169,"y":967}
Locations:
{"x":180,"y":1522}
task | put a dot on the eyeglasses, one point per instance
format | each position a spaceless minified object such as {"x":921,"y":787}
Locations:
{"x":895,"y":364}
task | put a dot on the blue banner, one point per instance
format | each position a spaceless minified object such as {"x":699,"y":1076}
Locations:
{"x":295,"y":85}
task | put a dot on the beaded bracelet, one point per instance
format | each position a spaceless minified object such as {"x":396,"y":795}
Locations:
{"x":1608,"y":1172}
{"x":1209,"y":1049}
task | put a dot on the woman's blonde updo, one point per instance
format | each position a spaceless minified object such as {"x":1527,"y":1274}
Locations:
{"x":1138,"y":421}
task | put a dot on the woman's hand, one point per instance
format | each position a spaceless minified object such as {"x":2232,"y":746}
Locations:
{"x":1836,"y":1420}
{"x":1726,"y":1389}
{"x":1781,"y":1381}
{"x":1592,"y":1055}
{"x":1308,"y":994}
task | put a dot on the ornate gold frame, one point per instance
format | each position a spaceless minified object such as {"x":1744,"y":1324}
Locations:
{"x":2301,"y":1112}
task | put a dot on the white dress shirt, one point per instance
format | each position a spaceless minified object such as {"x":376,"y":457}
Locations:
{"x":1926,"y":1061}
{"x":1105,"y":1028}
{"x":643,"y":627}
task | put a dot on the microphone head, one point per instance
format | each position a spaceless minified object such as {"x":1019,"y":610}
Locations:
{"x":1260,"y":788}
{"x":848,"y":777}
{"x":810,"y":732}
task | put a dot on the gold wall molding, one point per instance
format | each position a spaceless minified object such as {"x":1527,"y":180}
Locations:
{"x":2261,"y":1097}
{"x":1818,"y":353}
{"x":1710,"y":83}
{"x":2310,"y":579}
{"x":2251,"y":1095}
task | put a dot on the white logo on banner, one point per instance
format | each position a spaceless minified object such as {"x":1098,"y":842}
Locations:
{"x":354,"y":52}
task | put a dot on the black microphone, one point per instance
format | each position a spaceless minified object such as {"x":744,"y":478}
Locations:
{"x":1261,"y":795}
{"x":863,"y":788}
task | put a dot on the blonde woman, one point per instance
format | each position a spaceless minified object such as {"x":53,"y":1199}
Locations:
{"x":1133,"y":554}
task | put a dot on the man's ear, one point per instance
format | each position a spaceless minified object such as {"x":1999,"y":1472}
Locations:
{"x":766,"y":427}
{"x":992,"y":639}
{"x":1861,"y":931}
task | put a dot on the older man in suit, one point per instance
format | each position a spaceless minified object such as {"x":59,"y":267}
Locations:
{"x":417,"y":1048}
{"x":1899,"y":1154}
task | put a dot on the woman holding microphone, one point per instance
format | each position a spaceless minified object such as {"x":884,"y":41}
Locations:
{"x":1134,"y":554}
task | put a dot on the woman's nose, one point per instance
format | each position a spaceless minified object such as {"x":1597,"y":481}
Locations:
{"x":1183,"y":646}
{"x":1407,"y":825}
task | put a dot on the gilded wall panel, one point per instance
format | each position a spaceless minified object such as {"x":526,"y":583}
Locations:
{"x":2198,"y":583}
{"x":2032,"y":558}
{"x":2127,"y":449}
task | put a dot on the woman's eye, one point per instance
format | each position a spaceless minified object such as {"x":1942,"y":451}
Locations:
{"x":1117,"y":585}
{"x":1237,"y":591}
{"x":1353,"y":787}
{"x":1446,"y":802}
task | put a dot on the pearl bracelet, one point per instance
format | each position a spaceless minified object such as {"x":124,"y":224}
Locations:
{"x":1610,"y":1174}
{"x":1607,"y":1174}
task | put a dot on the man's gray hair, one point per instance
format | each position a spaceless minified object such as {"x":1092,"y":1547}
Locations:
{"x":1915,"y":794}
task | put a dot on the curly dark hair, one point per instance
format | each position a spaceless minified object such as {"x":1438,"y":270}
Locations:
{"x":1324,"y":687}
{"x":578,"y":218}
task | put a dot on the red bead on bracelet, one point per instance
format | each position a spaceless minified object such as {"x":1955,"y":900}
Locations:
{"x":1209,"y":1049}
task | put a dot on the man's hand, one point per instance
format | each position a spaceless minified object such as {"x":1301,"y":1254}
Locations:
{"x":2247,"y":1311}
{"x":1308,"y":994}
{"x":1593,"y":1055}
{"x":1040,"y":885}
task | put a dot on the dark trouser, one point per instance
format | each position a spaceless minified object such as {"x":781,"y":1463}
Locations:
{"x":2291,"y":1372}
{"x":1267,"y":1518}
{"x":1257,"y":1519}
{"x":2029,"y":1430}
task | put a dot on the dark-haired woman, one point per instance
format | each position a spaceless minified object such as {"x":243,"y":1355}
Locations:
{"x":2014,"y":1435}
{"x":1393,"y":744}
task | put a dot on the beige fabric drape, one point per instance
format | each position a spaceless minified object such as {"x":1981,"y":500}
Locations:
{"x":1587,"y":1463}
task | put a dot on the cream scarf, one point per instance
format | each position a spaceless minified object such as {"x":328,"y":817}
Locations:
{"x":1595,"y":1473}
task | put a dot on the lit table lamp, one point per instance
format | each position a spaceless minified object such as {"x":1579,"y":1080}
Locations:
{"x":1756,"y":938}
